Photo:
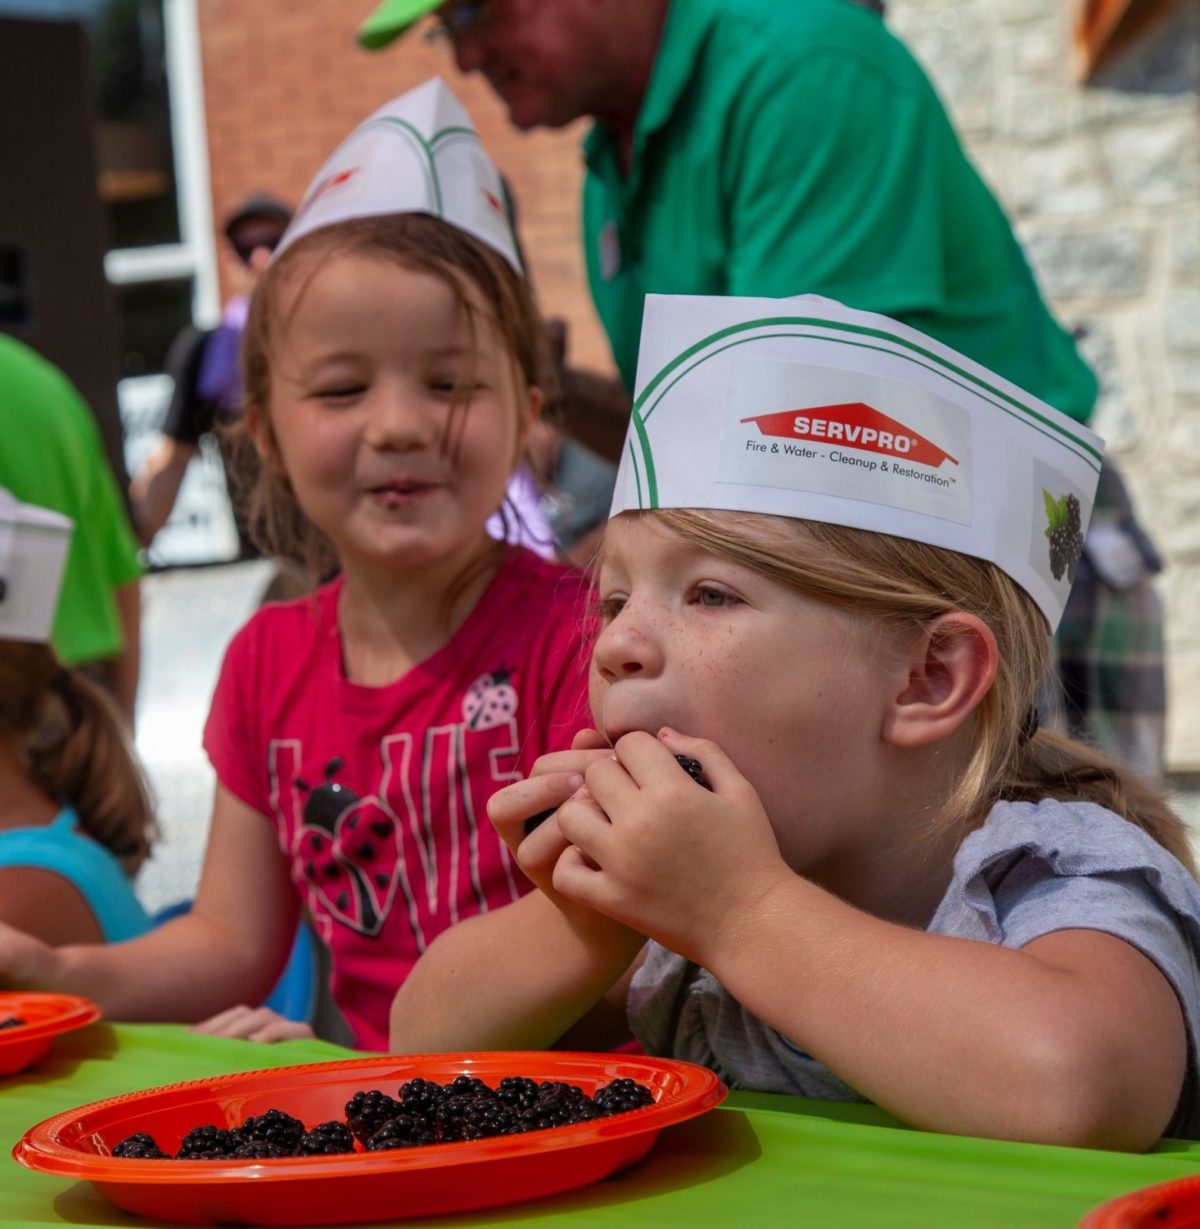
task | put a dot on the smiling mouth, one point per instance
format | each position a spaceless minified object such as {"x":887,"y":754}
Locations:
{"x":401,"y":490}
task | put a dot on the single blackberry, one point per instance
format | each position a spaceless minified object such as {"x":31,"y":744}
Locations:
{"x":694,"y":769}
{"x":421,"y":1097}
{"x":366,"y":1112}
{"x":621,"y":1096}
{"x":257,"y":1150}
{"x":467,"y":1086}
{"x":140,"y":1147}
{"x":11,"y":1022}
{"x":517,"y":1092}
{"x":208,"y":1143}
{"x":403,"y":1131}
{"x":1066,"y":548}
{"x":325,"y":1139}
{"x":535,"y":821}
{"x":274,"y":1127}
{"x":1073,"y":513}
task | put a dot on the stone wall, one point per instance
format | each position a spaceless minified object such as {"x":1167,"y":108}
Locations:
{"x":1103,"y":184}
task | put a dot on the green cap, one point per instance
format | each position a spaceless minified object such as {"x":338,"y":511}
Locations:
{"x":391,"y":19}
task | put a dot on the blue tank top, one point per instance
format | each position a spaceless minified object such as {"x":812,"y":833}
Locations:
{"x":62,"y":847}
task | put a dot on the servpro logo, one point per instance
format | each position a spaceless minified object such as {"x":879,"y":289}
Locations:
{"x":854,"y":425}
{"x":337,"y":180}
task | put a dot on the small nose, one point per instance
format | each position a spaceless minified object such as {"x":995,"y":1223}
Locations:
{"x":627,"y":648}
{"x":398,"y":421}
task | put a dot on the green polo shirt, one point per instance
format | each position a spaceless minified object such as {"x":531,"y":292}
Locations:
{"x":52,"y":455}
{"x":796,"y":147}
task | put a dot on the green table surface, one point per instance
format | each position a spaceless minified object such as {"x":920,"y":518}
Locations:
{"x":757,"y":1160}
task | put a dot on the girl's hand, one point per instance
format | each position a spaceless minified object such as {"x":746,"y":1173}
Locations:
{"x":253,"y":1024}
{"x":555,"y":778}
{"x":658,"y":852}
{"x":27,"y":963}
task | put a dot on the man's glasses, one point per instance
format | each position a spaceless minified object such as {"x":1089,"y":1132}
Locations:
{"x":456,"y":19}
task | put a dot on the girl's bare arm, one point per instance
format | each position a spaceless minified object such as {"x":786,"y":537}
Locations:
{"x":516,"y":978}
{"x":228,"y":949}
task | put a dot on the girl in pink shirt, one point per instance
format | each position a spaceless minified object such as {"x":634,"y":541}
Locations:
{"x":391,"y":372}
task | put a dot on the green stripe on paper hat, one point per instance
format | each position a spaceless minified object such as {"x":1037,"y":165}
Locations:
{"x":391,"y":19}
{"x":805,"y":408}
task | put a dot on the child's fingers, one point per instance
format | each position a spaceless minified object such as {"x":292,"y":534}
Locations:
{"x":226,"y":1023}
{"x":589,"y":740}
{"x":510,"y":807}
{"x":718,"y":769}
{"x":259,"y":1024}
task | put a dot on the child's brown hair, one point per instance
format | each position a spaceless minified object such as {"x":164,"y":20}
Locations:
{"x":74,"y":746}
{"x":901,"y":583}
{"x":413,"y":241}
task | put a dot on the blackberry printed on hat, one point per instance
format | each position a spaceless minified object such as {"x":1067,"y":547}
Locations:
{"x":1065,"y":530}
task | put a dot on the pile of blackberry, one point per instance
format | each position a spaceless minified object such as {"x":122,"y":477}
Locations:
{"x":1066,"y":543}
{"x":12,"y":1022}
{"x":422,"y":1112}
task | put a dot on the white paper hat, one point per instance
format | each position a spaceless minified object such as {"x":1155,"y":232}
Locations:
{"x":33,"y":553}
{"x":418,"y":153}
{"x":804,"y":408}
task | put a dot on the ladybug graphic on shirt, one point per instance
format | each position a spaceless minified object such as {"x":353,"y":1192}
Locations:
{"x":491,"y":700}
{"x":350,"y":851}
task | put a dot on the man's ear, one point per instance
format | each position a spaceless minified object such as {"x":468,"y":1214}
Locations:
{"x":951,"y":666}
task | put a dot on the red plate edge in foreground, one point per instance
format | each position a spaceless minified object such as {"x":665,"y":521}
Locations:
{"x":1166,"y":1205}
{"x":47,"y":1016}
{"x":360,"y":1187}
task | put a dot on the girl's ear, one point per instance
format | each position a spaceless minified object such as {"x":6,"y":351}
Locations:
{"x":258,"y":426}
{"x":951,"y":666}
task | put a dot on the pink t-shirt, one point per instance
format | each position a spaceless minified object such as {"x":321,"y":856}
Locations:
{"x":379,"y":794}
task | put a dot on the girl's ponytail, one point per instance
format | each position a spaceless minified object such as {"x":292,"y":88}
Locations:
{"x":77,"y":750}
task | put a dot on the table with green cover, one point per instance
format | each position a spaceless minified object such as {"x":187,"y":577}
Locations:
{"x":757,"y":1160}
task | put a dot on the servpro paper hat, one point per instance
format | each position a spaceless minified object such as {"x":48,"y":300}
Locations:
{"x":804,"y":408}
{"x":33,"y":553}
{"x":418,"y":153}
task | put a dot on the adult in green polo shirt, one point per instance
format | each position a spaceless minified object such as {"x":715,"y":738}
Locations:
{"x":52,"y":456}
{"x":754,"y":147}
{"x":783,"y":147}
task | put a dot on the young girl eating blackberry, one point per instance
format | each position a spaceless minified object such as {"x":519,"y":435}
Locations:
{"x":830,"y":579}
{"x":391,"y":369}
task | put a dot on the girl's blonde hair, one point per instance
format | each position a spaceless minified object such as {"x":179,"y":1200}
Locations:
{"x":903,"y":584}
{"x":74,"y":746}
{"x":413,"y":241}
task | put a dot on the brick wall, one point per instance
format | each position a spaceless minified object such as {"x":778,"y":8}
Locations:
{"x":284,"y":82}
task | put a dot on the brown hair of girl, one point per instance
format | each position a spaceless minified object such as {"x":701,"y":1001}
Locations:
{"x":413,"y":241}
{"x":900,"y":584}
{"x":75,"y":747}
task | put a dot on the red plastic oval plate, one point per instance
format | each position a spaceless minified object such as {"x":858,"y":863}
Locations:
{"x":45,"y":1016}
{"x":357,"y":1187}
{"x":1169,"y":1205}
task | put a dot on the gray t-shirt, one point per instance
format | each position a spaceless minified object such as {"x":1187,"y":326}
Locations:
{"x":1031,"y":869}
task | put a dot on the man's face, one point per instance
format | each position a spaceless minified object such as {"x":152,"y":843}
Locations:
{"x":539,"y":56}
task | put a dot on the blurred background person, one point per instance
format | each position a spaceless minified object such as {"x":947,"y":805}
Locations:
{"x":76,"y":821}
{"x":52,"y":456}
{"x":205,"y":370}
